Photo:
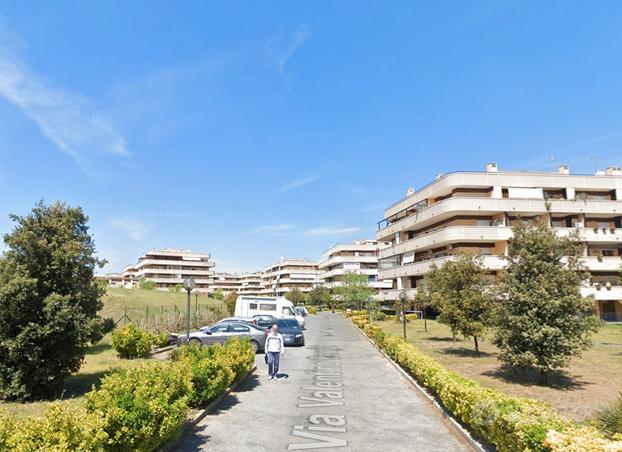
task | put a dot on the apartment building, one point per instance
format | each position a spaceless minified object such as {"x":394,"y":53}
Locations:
{"x":130,"y":280}
{"x":227,"y":282}
{"x":474,"y":212}
{"x":360,"y":256}
{"x":250,"y":284}
{"x":111,"y":280}
{"x":169,"y":267}
{"x":287,"y":274}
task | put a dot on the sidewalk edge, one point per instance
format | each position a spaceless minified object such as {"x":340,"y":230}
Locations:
{"x":190,"y":424}
{"x":445,"y":415}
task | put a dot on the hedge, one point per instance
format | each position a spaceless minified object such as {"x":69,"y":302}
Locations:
{"x":508,"y":423}
{"x":142,"y":408}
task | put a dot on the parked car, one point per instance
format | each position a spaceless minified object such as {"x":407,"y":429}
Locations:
{"x":291,"y":332}
{"x":238,"y":319}
{"x":223,"y":330}
{"x":265,"y":321}
{"x":301,"y":310}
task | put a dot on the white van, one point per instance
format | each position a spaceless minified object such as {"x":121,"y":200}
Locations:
{"x":279,"y":307}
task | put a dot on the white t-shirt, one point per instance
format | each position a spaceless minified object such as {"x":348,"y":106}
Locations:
{"x":274,"y":343}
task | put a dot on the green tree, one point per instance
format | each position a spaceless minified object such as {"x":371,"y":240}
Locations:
{"x":145,"y":284}
{"x":542,"y":321}
{"x":459,"y":291}
{"x":48,"y":300}
{"x":230,"y":300}
{"x":320,"y":296}
{"x":296,"y":296}
{"x":176,"y":288}
{"x":219,"y":295}
{"x":354,"y":291}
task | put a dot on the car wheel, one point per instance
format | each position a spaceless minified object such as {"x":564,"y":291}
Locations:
{"x":196,"y":341}
{"x":255,"y":345}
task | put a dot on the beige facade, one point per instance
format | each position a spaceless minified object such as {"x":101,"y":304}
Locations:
{"x":169,"y":267}
{"x":284,"y":276}
{"x":474,"y":212}
{"x":360,"y":257}
{"x":227,"y":282}
{"x":251,"y":284}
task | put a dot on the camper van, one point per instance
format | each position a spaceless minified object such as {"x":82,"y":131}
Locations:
{"x":279,"y":307}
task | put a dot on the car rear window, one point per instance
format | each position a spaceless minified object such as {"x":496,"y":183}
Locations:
{"x":287,"y":322}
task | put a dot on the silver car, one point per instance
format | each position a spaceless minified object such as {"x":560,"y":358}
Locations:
{"x":223,"y":330}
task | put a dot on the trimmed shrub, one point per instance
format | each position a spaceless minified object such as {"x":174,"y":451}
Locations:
{"x":131,"y":342}
{"x":509,"y":423}
{"x":63,"y":428}
{"x":312,"y":310}
{"x":210,"y":369}
{"x":379,"y":316}
{"x":142,"y":408}
{"x":7,"y":427}
{"x":240,"y":355}
{"x":161,"y":339}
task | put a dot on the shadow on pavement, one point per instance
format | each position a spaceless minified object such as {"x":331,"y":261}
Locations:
{"x":198,"y":437}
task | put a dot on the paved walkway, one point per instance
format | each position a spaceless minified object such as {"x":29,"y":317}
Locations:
{"x":336,"y":393}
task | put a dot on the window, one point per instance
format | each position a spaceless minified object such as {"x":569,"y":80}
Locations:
{"x":220,"y":328}
{"x":252,"y":306}
{"x":287,"y":311}
{"x":239,"y":328}
{"x":267,"y":307}
{"x":389,"y":262}
{"x":482,"y":222}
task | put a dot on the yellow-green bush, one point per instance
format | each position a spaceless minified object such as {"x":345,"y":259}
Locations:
{"x":130,"y":342}
{"x":63,"y":428}
{"x":509,"y":423}
{"x":239,"y":353}
{"x":211,"y":371}
{"x":354,"y":313}
{"x":143,"y":407}
{"x":140,"y":409}
{"x":312,"y":310}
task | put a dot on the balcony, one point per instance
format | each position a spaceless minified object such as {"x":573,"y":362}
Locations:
{"x":341,"y":271}
{"x":424,"y":267}
{"x":478,"y":179}
{"x":336,"y":260}
{"x":606,"y":263}
{"x":490,"y":206}
{"x":487,"y":234}
{"x":147,"y":262}
{"x":603,"y":293}
{"x":452,"y":234}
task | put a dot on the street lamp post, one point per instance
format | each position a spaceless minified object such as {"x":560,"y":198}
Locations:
{"x":196,"y":305}
{"x":188,"y":285}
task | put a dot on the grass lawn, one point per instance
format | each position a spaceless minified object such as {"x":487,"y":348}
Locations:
{"x":139,"y":303}
{"x":590,"y":382}
{"x":101,"y":358}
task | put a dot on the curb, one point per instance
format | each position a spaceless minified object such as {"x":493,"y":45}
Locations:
{"x":445,"y":415}
{"x":203,"y":412}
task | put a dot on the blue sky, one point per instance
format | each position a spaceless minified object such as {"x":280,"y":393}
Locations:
{"x":256,"y":130}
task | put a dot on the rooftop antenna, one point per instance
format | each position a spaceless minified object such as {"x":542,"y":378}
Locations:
{"x":551,"y":162}
{"x":594,"y":160}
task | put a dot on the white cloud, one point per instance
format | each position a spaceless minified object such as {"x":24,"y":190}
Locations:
{"x":282,"y":49}
{"x":332,"y":230}
{"x":272,"y":229}
{"x":64,"y":118}
{"x":355,"y":189}
{"x":291,"y":185}
{"x":131,"y":227}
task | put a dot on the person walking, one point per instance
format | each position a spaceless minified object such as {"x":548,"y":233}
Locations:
{"x":274,"y":349}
